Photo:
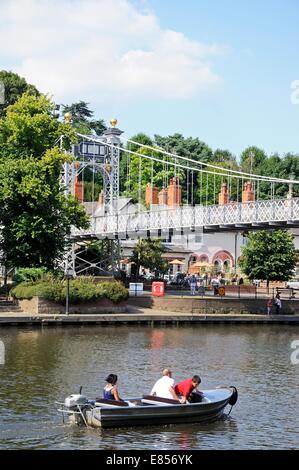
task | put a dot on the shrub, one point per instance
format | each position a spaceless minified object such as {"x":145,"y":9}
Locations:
{"x":114,"y":291}
{"x":35,"y":274}
{"x":82,"y":289}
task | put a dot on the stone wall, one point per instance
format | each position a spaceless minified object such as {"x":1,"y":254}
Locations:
{"x":212,"y":306}
{"x":40,"y":306}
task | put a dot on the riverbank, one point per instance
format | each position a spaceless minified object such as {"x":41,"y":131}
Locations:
{"x":143,"y":317}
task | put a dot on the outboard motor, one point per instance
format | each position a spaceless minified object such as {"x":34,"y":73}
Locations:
{"x":77,"y":404}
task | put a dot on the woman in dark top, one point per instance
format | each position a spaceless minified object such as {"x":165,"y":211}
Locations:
{"x":110,"y":390}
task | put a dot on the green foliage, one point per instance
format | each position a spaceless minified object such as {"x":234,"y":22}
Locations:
{"x":209,"y":184}
{"x":114,"y":291}
{"x":93,"y":184}
{"x":82,"y":118}
{"x":35,"y":215}
{"x":82,"y":289}
{"x":29,"y":275}
{"x":186,"y":147}
{"x":252,"y":159}
{"x":157,"y":173}
{"x":15,"y":87}
{"x":148,"y":254}
{"x":30,"y":128}
{"x":269,"y":256}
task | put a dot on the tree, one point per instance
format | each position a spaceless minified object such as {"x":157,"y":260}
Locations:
{"x":186,"y":147}
{"x":125,"y":161}
{"x":189,"y":147}
{"x":269,"y":255}
{"x":252,"y":159}
{"x":14,"y":87}
{"x":30,"y":128}
{"x":142,"y":170}
{"x":35,"y":215}
{"x":148,"y":254}
{"x":220,"y":156}
{"x":209,"y":184}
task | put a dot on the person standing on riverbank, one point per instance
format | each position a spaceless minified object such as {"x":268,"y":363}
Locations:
{"x":278,"y":304}
{"x":192,"y":285}
{"x":269,"y":306}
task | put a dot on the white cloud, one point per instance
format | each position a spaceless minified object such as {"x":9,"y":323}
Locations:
{"x":98,"y":49}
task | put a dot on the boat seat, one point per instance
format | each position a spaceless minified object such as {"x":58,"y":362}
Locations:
{"x":154,"y":400}
{"x":105,"y":402}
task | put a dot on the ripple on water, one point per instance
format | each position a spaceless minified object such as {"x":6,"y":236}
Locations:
{"x":43,"y":366}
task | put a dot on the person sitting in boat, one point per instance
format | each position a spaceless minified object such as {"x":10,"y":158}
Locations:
{"x":110,"y":391}
{"x":164,"y":387}
{"x":187,"y":390}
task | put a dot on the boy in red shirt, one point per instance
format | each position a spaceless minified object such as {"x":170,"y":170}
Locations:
{"x":186,"y":387}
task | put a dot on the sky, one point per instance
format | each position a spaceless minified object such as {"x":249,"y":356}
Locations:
{"x":224,"y":71}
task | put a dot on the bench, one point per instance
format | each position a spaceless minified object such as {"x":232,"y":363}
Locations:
{"x":154,"y":400}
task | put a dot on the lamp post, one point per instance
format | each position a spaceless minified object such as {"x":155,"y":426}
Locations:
{"x":69,"y":274}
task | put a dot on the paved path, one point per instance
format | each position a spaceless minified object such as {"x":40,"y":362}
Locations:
{"x":141,"y":316}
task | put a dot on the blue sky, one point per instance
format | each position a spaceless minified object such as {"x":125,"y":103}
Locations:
{"x":220,"y":70}
{"x":253,"y":105}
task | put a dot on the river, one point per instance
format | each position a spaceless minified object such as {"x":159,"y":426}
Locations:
{"x":45,"y":365}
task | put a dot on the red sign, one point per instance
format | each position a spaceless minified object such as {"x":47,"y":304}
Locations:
{"x":158,"y":289}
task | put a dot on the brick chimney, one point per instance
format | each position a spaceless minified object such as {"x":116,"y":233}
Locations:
{"x":101,"y":200}
{"x":223,"y":196}
{"x":79,"y":189}
{"x":174,"y":196}
{"x":163,"y":197}
{"x":248,"y":193}
{"x":151,"y":195}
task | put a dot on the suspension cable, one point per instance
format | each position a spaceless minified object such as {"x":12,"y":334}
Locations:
{"x":179,"y":165}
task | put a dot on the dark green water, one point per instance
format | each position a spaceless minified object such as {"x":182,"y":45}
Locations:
{"x":44,"y":365}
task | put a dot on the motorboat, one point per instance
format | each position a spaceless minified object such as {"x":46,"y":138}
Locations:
{"x":147,"y":410}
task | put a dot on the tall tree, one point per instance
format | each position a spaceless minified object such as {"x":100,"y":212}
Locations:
{"x":148,"y":254}
{"x":14,"y":87}
{"x":186,"y":147}
{"x":82,"y":118}
{"x":30,"y":128}
{"x":252,"y":159}
{"x":35,"y":215}
{"x":125,"y":161}
{"x":269,"y":255}
{"x":209,"y":184}
{"x":189,"y":147}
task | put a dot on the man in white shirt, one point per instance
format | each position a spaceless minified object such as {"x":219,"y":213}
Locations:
{"x":164,"y":387}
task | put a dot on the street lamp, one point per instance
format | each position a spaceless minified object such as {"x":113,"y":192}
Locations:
{"x":69,"y":274}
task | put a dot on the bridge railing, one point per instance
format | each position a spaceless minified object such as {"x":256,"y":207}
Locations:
{"x":279,"y":210}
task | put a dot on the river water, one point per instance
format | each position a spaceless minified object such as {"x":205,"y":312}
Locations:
{"x":44,"y":365}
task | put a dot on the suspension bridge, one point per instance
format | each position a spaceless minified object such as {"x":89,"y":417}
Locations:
{"x":230,"y":200}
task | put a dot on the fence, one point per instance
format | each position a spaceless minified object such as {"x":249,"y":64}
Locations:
{"x":244,"y":292}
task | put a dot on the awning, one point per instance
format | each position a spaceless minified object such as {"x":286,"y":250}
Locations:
{"x":176,"y":262}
